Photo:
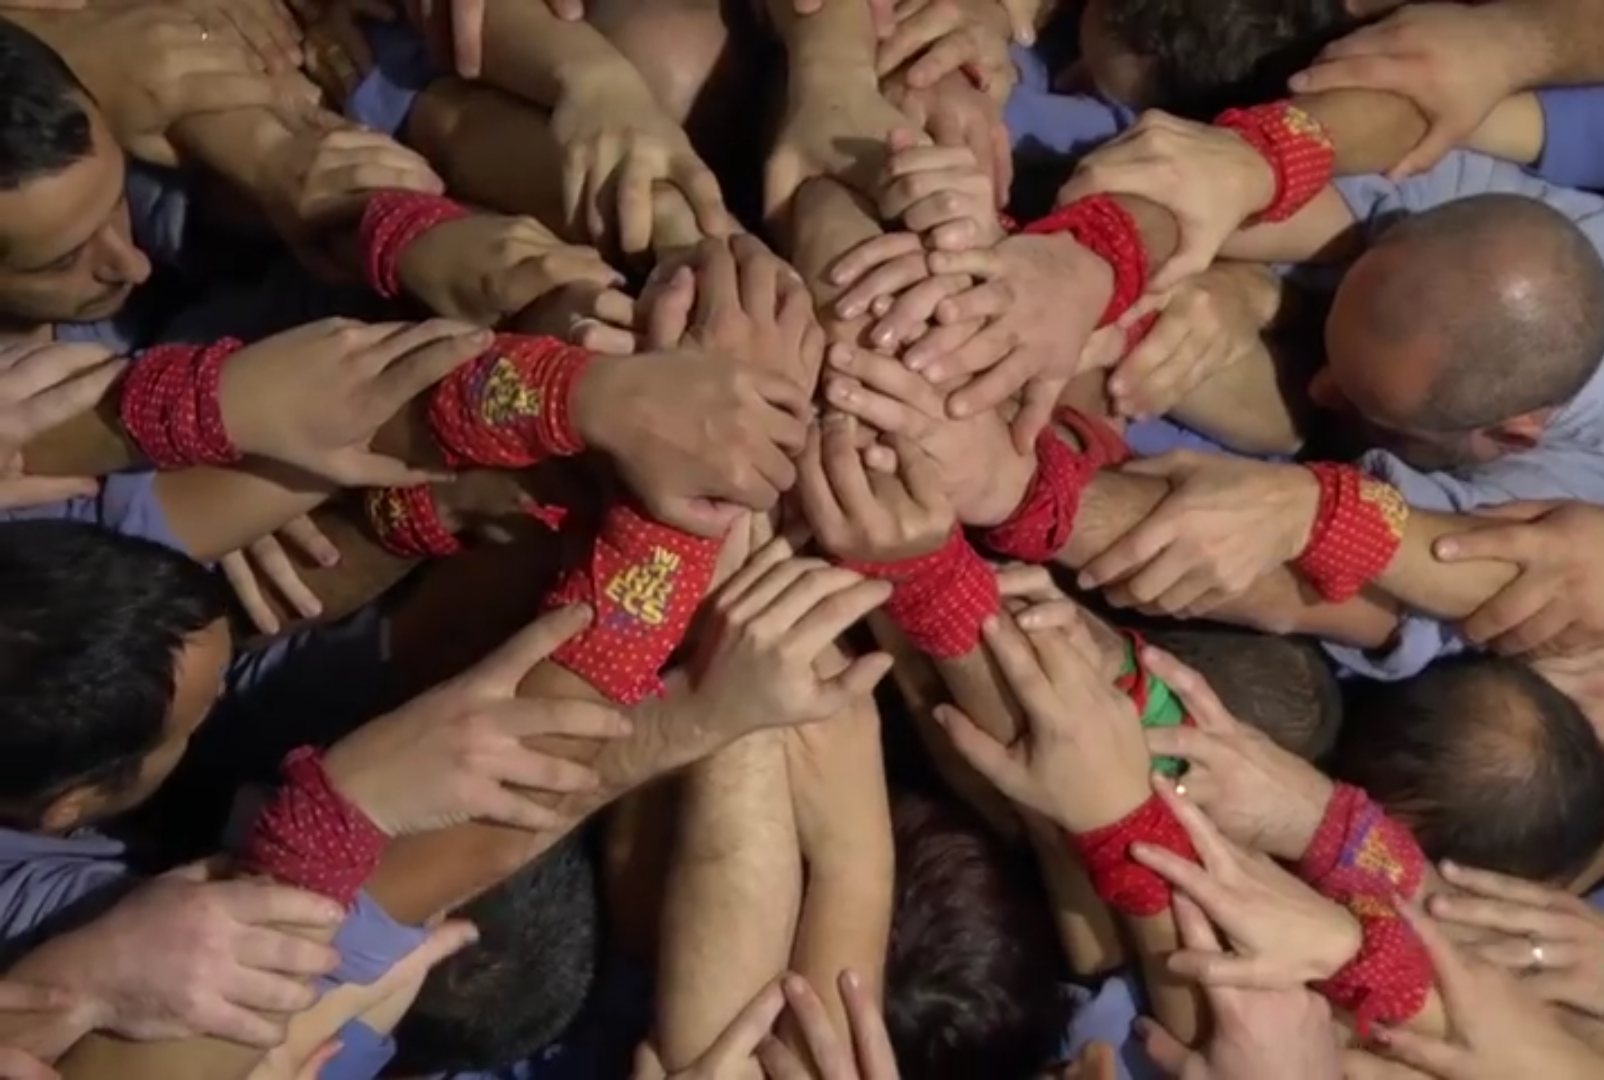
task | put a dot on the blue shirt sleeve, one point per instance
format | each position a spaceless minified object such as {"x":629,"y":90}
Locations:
{"x":370,"y":943}
{"x":127,"y":504}
{"x":402,"y":67}
{"x":1041,"y":121}
{"x":1377,"y":202}
{"x":1106,"y":1014}
{"x":42,"y":876}
{"x":1573,"y":136}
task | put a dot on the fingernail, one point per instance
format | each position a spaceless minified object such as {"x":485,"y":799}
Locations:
{"x":849,"y":311}
{"x":990,"y":625}
{"x":840,"y":356}
{"x":1447,"y":549}
{"x":1085,"y":582}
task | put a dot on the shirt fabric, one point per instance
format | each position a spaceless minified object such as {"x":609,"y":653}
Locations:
{"x":126,"y":504}
{"x":1573,"y":136}
{"x":1042,"y":122}
{"x":402,"y":67}
{"x":1569,"y":461}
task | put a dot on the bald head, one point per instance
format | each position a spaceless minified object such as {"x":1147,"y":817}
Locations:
{"x":1470,"y":314}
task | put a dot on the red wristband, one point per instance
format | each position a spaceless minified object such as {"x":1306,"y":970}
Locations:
{"x":1044,"y":520}
{"x":1356,"y":839}
{"x":1390,"y":978}
{"x":1106,"y":229}
{"x":310,"y":837}
{"x":406,"y":521}
{"x":1097,"y":436}
{"x":1363,"y":859}
{"x":508,"y":409}
{"x":644,"y":580}
{"x":1357,"y":530}
{"x":939,"y":600}
{"x":391,"y":220}
{"x":1120,"y":881}
{"x":171,"y":405}
{"x":1295,"y":145}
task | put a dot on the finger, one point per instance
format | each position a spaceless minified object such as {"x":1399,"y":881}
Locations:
{"x":888,"y":280}
{"x":1455,"y":982}
{"x":16,"y":1064}
{"x":222,"y":89}
{"x":248,"y":591}
{"x":1027,"y":581}
{"x":833,"y":613}
{"x":981,"y":263}
{"x":778,"y":551}
{"x":814,"y":490}
{"x":22,"y":491}
{"x":304,"y":535}
{"x":1196,"y":932}
{"x":943,"y":58}
{"x":508,"y":665}
{"x":1426,"y":1053}
{"x":670,"y":312}
{"x":1138,"y":547}
{"x":1518,"y":542}
{"x":948,"y":353}
{"x":920,"y":475}
{"x":990,"y":388}
{"x":843,"y":465}
{"x":260,"y":903}
{"x":988,"y":300}
{"x":912,"y":34}
{"x":274,"y":564}
{"x":870,"y":1039}
{"x":1514,"y":954}
{"x":780,"y":1061}
{"x":1190,"y":744}
{"x":891,"y":378}
{"x":858,"y":680}
{"x":520,"y":768}
{"x":1020,"y":663}
{"x":910,"y":313}
{"x":273,"y":950}
{"x":1539,"y":631}
{"x":635,"y":204}
{"x":1206,"y":891}
{"x":876,"y":251}
{"x":1153,"y":583}
{"x":1501,"y":915}
{"x":420,"y":358}
{"x":1495,"y":886}
{"x":1436,"y":145}
{"x":824,"y":1044}
{"x":26,"y":997}
{"x":265,"y":992}
{"x":751,"y":1026}
{"x":1202,"y":703}
{"x":701,"y":189}
{"x":986,"y":755}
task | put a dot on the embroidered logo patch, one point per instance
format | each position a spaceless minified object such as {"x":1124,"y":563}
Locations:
{"x":643,"y":590}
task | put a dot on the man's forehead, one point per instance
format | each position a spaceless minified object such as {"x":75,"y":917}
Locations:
{"x":49,"y":217}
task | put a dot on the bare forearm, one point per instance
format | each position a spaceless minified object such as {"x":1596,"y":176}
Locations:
{"x":239,"y":146}
{"x":532,"y":53}
{"x":1086,"y":928}
{"x":1561,"y":40}
{"x":216,"y":511}
{"x":730,"y":903}
{"x":829,"y":51}
{"x":1418,"y":580}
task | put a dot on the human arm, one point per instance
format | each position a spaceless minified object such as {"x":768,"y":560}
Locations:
{"x":729,"y":907}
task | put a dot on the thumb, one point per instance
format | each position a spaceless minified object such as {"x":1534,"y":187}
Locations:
{"x":708,"y":518}
{"x":1515,"y":543}
{"x":1021,"y":20}
{"x":1192,"y":256}
{"x":446,"y":941}
{"x":902,"y":139}
{"x":988,"y":756}
{"x":507,"y":666}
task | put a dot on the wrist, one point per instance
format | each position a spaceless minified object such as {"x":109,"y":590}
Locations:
{"x":1303,"y":494}
{"x":831,"y":79}
{"x":1291,"y":841}
{"x":1004,"y":494}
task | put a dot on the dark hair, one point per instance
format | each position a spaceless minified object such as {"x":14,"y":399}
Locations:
{"x":91,"y":627}
{"x":1210,"y":55}
{"x":44,"y":126}
{"x":974,"y":963}
{"x":1512,"y":293}
{"x":520,"y":986}
{"x":1489,"y":765}
{"x":1281,"y":685}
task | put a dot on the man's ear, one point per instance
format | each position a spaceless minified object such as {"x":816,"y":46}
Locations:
{"x":69,"y":810}
{"x":1522,"y":432}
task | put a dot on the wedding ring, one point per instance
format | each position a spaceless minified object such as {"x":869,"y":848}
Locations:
{"x":1537,"y":955}
{"x":1180,"y":789}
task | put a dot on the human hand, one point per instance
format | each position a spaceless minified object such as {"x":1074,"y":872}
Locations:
{"x":149,"y":64}
{"x":1082,"y":762}
{"x":1552,"y":940}
{"x":364,"y":375}
{"x":1498,"y":1030}
{"x":457,"y":752}
{"x":756,"y":663}
{"x":1262,"y":797}
{"x":41,"y":387}
{"x":486,"y":268}
{"x":1258,"y":1034}
{"x":1209,"y":178}
{"x":37,"y":1025}
{"x":1226,"y":523}
{"x":456,"y":32}
{"x":1206,"y":325}
{"x":982,"y":474}
{"x":185,"y":957}
{"x":596,"y":318}
{"x":1556,"y":602}
{"x":1455,"y":61}
{"x":267,"y":559}
{"x":617,"y":143}
{"x":321,"y":174}
{"x":941,"y":193}
{"x":871,"y":516}
{"x":863,"y":1054}
{"x":958,"y":115}
{"x":733,"y":1055}
{"x":932,"y":39}
{"x":839,"y":132}
{"x":267,"y":26}
{"x":704,"y":425}
{"x":1282,"y":934}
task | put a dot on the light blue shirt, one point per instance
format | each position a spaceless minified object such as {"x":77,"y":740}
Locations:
{"x":1568,"y":463}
